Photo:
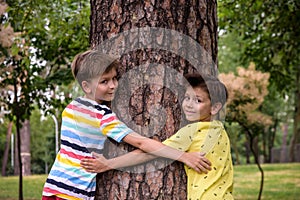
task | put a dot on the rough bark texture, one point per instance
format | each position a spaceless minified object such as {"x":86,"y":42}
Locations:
{"x":148,"y":99}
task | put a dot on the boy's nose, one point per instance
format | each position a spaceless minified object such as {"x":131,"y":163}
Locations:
{"x":189,"y":103}
{"x":113,"y":84}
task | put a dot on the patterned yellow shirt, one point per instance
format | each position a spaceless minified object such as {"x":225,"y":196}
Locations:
{"x":210,"y":138}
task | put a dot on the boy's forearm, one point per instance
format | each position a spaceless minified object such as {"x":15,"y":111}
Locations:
{"x":133,"y":158}
{"x":154,"y":147}
{"x":191,"y":159}
{"x":158,"y":149}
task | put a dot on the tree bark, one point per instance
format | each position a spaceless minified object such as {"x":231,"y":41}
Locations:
{"x":157,"y":42}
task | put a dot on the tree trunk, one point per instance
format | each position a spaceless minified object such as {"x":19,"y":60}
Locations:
{"x":156,"y":43}
{"x":255,"y":146}
{"x":296,"y":133}
{"x":25,"y":150}
{"x":283,"y":151}
{"x":271,"y":140}
{"x":247,"y":150}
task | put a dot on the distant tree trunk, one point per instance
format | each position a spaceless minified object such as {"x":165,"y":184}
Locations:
{"x":296,"y":132}
{"x":25,"y":150}
{"x":271,"y":140}
{"x":255,"y":146}
{"x":283,"y":151}
{"x":247,"y":150}
{"x":153,"y":61}
{"x":264,"y":146}
{"x":6,"y":149}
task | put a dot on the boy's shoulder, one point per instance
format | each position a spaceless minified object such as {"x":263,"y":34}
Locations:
{"x":215,"y":124}
{"x":192,"y":125}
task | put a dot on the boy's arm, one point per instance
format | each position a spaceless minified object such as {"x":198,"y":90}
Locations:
{"x":194,"y":160}
{"x":101,"y":164}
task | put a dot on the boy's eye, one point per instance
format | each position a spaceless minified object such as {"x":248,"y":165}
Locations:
{"x":186,"y":98}
{"x":104,"y":81}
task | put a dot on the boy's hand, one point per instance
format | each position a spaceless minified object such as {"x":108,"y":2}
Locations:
{"x":98,"y":164}
{"x":197,"y":161}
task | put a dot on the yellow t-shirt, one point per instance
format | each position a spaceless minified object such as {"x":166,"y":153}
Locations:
{"x":210,"y":138}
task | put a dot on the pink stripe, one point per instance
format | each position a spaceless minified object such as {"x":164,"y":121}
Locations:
{"x":108,"y":120}
{"x":51,"y":191}
{"x":73,"y":155}
{"x":85,"y":111}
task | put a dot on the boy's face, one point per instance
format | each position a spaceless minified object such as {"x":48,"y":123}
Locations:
{"x":196,"y":105}
{"x":103,"y":88}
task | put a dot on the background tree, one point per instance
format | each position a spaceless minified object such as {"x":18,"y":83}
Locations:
{"x":246,"y":94}
{"x":271,"y":43}
{"x":151,"y":86}
{"x":6,"y":41}
{"x":5,"y":142}
{"x":38,"y":60}
{"x":42,"y":145}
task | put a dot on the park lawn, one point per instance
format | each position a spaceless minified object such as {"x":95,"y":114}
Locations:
{"x":282,"y":181}
{"x":32,"y":187}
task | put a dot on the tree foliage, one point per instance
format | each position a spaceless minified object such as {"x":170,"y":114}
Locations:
{"x":37,"y":62}
{"x":247,"y":91}
{"x":270,"y":31}
{"x":42,"y":146}
{"x":50,"y":34}
{"x":39,"y":40}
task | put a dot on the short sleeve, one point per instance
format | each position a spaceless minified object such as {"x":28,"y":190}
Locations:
{"x":183,"y":138}
{"x":112,"y":127}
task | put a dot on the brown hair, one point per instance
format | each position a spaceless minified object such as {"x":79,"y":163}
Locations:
{"x":215,"y":89}
{"x":90,"y":64}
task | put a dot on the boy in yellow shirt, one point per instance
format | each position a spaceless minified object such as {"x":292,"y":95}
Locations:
{"x":203,"y":100}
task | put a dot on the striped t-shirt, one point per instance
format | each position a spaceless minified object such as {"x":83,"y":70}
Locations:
{"x":85,"y":127}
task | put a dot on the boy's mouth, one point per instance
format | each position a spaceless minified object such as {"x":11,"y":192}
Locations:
{"x":189,"y":112}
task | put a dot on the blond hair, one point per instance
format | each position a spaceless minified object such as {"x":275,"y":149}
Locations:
{"x":91,"y":64}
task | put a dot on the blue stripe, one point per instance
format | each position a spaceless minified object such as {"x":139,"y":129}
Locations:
{"x":119,"y":132}
{"x":76,"y":180}
{"x":83,"y":139}
{"x":91,"y":131}
{"x":70,"y":188}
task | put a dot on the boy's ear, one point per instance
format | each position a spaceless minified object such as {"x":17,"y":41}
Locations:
{"x":216,"y":108}
{"x":85,"y":87}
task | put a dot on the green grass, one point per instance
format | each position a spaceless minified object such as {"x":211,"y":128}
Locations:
{"x":282,"y":181}
{"x":32,"y":187}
